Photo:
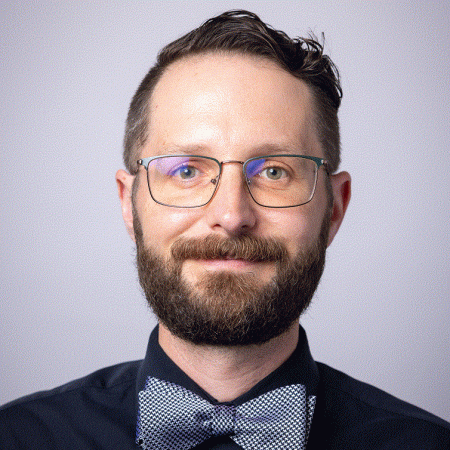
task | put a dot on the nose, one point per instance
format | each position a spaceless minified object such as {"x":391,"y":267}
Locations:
{"x":231,"y":209}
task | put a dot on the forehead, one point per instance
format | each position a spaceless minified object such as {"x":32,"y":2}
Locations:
{"x":216,"y":101}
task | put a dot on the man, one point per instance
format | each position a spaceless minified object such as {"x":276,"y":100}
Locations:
{"x":232,"y":196}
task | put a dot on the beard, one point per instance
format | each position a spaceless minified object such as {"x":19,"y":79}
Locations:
{"x":225,"y":308}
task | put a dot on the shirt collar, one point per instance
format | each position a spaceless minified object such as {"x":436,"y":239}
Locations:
{"x":300,"y":368}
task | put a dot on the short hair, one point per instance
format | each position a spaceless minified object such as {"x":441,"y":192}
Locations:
{"x":244,"y":33}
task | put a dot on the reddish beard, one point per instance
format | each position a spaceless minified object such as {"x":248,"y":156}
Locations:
{"x":225,"y":308}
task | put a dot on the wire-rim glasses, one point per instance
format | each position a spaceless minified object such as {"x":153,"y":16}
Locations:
{"x":273,"y":181}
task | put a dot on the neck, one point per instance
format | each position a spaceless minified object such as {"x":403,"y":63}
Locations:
{"x":228,"y":372}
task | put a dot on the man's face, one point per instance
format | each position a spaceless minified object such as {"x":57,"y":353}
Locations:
{"x":232,"y":108}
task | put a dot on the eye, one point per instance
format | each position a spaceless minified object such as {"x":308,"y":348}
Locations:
{"x":185,"y":172}
{"x":273,"y":173}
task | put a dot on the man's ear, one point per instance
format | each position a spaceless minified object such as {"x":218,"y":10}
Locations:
{"x":341,"y":186}
{"x":125,"y":187}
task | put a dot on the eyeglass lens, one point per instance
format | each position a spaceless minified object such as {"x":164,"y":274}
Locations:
{"x":190,"y":181}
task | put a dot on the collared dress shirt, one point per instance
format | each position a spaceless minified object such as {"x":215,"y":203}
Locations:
{"x":100,"y":411}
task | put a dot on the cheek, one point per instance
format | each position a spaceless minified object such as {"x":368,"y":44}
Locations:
{"x":162,"y":225}
{"x":298,"y":228}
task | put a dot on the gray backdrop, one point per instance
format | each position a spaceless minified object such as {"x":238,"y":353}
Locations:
{"x":70,"y":300}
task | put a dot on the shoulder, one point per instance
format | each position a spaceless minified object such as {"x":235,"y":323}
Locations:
{"x":78,"y":407}
{"x":107,"y":379}
{"x":363,"y":413}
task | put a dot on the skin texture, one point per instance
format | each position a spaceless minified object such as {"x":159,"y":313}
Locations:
{"x":230,"y":107}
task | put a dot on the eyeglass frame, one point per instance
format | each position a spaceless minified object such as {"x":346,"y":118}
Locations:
{"x":320,"y":162}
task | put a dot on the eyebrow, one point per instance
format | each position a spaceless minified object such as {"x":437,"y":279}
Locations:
{"x":260,"y":150}
{"x":175,"y":149}
{"x":274,"y":149}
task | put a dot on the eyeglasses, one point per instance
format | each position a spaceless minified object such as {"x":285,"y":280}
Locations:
{"x":273,"y":181}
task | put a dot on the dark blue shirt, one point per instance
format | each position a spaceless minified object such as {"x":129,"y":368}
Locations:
{"x":99,"y":411}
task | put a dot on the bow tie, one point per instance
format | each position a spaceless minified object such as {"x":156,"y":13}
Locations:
{"x":174,"y":418}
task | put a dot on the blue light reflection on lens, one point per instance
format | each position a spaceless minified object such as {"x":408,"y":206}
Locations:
{"x":171,"y":165}
{"x":254,"y":167}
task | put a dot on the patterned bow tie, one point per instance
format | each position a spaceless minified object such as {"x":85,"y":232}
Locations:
{"x":174,"y":418}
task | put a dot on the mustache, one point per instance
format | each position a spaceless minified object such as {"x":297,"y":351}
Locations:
{"x":248,"y":248}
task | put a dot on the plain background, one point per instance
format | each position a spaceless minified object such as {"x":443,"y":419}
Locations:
{"x":70,"y":300}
